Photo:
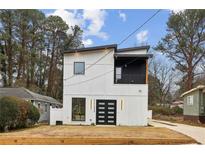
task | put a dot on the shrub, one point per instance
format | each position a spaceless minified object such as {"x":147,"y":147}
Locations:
{"x":166,"y":111}
{"x":33,"y":114}
{"x":17,"y":113}
{"x":177,"y":111}
{"x":8,"y":113}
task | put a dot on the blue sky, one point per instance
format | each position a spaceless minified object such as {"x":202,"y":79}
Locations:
{"x":111,"y":26}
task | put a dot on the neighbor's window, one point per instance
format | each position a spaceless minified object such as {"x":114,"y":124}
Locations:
{"x":79,"y":68}
{"x":190,"y":100}
{"x":32,"y":102}
{"x":46,"y":107}
{"x":78,"y":109}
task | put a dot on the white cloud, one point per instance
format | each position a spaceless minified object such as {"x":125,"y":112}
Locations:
{"x":71,"y":17}
{"x":96,"y":20}
{"x":123,"y":16}
{"x":87,"y":42}
{"x":90,"y":21}
{"x":142,"y":36}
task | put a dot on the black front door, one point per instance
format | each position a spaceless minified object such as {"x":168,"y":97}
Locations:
{"x":106,"y":112}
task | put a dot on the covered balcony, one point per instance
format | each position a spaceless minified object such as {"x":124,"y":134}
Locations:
{"x":131,"y":68}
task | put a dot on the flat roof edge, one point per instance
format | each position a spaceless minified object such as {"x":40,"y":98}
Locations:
{"x":147,"y":47}
{"x":92,"y":48}
{"x":134,"y":55}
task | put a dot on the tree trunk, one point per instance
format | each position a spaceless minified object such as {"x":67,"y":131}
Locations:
{"x":32,"y":59}
{"x":3,"y":68}
{"x":189,"y":82}
{"x":20,"y":61}
{"x":10,"y":60}
{"x":50,"y":76}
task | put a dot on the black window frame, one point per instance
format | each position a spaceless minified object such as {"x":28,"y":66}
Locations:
{"x":72,"y":114}
{"x":82,"y":73}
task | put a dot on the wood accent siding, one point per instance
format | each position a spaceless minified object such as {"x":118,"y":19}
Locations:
{"x":147,"y":72}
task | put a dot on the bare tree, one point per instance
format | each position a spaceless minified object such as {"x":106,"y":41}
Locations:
{"x":161,"y":81}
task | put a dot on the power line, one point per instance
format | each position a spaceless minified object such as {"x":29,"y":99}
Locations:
{"x":92,"y":64}
{"x":91,"y":78}
{"x":139,"y":27}
{"x":120,"y":43}
{"x":98,"y":76}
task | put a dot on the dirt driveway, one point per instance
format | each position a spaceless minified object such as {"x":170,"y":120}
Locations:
{"x":94,"y":135}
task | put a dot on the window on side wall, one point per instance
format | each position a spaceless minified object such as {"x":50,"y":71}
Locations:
{"x":46,"y":108}
{"x":32,"y":102}
{"x":190,"y":100}
{"x":78,"y":109}
{"x":79,"y":68}
{"x":39,"y":105}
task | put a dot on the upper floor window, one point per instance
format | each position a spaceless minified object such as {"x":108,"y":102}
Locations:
{"x":79,"y":67}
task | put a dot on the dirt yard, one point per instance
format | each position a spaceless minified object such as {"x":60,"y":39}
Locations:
{"x":177,"y":119}
{"x":94,"y":135}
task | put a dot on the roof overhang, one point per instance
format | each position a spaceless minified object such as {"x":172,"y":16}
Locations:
{"x":27,"y":95}
{"x":200,"y":87}
{"x":104,"y":47}
{"x":145,"y":56}
{"x":134,"y":48}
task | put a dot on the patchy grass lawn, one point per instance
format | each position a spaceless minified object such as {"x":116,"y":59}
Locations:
{"x":177,"y":119}
{"x":94,"y":135}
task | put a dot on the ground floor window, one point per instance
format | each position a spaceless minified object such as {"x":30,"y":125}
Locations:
{"x":78,"y":109}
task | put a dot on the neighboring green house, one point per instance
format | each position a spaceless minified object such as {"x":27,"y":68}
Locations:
{"x":194,"y":104}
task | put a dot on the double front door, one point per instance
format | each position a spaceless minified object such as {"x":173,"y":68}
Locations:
{"x":106,"y":112}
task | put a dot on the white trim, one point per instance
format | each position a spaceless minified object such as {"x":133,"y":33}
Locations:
{"x":194,"y":89}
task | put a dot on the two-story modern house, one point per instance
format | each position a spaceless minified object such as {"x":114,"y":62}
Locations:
{"x":104,"y":85}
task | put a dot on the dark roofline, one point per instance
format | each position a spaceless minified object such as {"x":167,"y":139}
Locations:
{"x":92,"y":48}
{"x":146,"y":56}
{"x":134,"y":48}
{"x":31,"y":95}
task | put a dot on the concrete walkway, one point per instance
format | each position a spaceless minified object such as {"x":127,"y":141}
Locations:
{"x":197,"y":133}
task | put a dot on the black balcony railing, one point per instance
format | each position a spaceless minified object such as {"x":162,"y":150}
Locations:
{"x":130,"y":79}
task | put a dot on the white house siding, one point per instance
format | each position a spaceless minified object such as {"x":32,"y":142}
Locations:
{"x":56,"y":114}
{"x":141,"y":51}
{"x":149,"y":116}
{"x":133,"y":96}
{"x":44,"y":116}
